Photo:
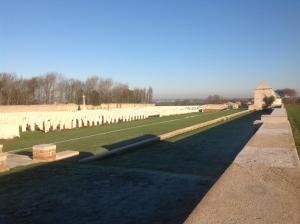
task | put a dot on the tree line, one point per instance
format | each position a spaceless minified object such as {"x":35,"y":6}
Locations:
{"x":288,"y":95}
{"x":211,"y":99}
{"x":54,"y":88}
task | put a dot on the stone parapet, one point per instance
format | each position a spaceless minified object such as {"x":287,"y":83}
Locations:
{"x":3,"y":158}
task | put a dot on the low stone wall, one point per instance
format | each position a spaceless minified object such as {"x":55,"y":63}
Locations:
{"x":38,"y":108}
{"x":262,"y":184}
{"x":67,"y":107}
{"x":213,"y":107}
{"x":120,"y":105}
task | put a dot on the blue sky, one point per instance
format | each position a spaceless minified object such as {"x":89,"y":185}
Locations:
{"x":181,"y":48}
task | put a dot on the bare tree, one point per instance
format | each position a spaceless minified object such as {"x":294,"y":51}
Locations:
{"x":105,"y":90}
{"x":215,"y":99}
{"x":268,"y":101}
{"x":54,"y":88}
{"x":288,"y":95}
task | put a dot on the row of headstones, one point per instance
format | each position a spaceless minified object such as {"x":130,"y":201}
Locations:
{"x":59,"y":124}
{"x":47,"y":121}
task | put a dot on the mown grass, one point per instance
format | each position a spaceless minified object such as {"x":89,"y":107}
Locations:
{"x":294,"y":118}
{"x":204,"y":152}
{"x":108,"y":134}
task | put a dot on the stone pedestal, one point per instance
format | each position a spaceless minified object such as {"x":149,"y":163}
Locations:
{"x":44,"y":152}
{"x":3,"y":158}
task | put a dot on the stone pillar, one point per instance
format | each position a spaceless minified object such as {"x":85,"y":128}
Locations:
{"x":44,"y":152}
{"x":83,"y":103}
{"x":3,"y":158}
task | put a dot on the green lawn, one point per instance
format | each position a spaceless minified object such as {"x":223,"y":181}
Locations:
{"x":294,"y":118}
{"x":99,"y":138}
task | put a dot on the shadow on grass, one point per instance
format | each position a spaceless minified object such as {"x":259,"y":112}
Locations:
{"x":193,"y":154}
{"x":161,"y":183}
{"x":25,"y":153}
{"x":113,"y":146}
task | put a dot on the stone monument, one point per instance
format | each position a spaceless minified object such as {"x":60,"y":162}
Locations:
{"x":83,"y":103}
{"x":263,"y":90}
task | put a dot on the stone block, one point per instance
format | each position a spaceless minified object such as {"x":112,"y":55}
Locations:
{"x":44,"y":152}
{"x":3,"y":158}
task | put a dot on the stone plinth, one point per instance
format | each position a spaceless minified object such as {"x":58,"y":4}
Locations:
{"x":44,"y":152}
{"x":3,"y":158}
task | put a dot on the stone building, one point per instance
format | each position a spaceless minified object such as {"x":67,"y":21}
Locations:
{"x":264,"y":90}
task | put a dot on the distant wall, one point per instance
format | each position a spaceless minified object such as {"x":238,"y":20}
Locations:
{"x":213,"y":107}
{"x":38,"y":108}
{"x":65,"y":107}
{"x":119,"y":105}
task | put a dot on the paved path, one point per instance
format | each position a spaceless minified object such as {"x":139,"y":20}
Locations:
{"x":263,"y":183}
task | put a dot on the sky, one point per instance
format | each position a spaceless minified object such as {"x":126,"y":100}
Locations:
{"x":183,"y":49}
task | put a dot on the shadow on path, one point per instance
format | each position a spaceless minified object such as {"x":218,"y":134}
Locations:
{"x":161,"y":183}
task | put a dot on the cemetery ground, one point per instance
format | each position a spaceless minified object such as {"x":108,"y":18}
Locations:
{"x":95,"y":139}
{"x":160,"y":183}
{"x":293,"y":111}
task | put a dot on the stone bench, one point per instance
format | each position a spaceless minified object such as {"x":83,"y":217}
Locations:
{"x":44,"y":152}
